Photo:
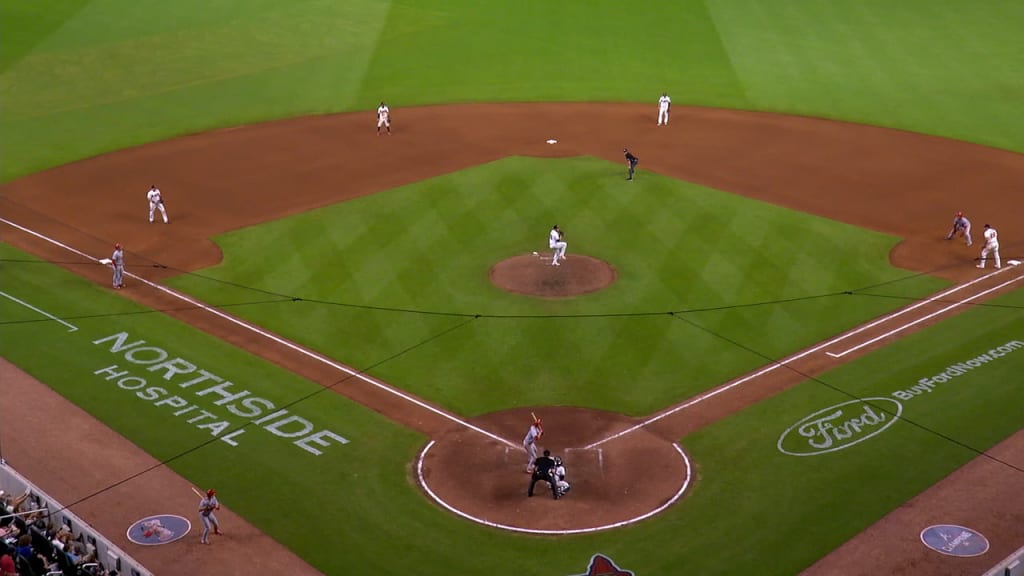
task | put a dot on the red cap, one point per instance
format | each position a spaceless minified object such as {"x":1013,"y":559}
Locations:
{"x":211,"y":492}
{"x":118,"y":246}
{"x":959,"y":213}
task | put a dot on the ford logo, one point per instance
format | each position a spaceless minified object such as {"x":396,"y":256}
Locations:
{"x":839,"y":426}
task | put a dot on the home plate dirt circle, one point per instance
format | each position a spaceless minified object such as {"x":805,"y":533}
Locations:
{"x":534,"y":275}
{"x":614,"y":483}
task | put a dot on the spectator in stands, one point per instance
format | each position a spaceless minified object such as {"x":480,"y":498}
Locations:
{"x":60,"y":539}
{"x":7,"y":561}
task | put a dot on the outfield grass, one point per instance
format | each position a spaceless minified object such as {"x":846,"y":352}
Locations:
{"x":422,"y":252}
{"x":85,"y":77}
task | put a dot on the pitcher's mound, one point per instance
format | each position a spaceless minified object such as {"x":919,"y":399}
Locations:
{"x":534,"y":275}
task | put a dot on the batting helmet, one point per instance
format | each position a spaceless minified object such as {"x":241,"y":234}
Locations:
{"x":117,"y":246}
{"x":959,"y":214}
{"x":211,"y":492}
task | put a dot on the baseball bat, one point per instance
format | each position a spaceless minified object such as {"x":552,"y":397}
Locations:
{"x":534,"y":416}
{"x":198,"y":493}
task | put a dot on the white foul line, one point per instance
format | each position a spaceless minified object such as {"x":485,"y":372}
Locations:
{"x":275,"y":338}
{"x":780,"y":363}
{"x":27,"y":305}
{"x":922,"y":319}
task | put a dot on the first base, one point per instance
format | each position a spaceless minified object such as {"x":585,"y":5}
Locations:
{"x":535,"y":254}
{"x":552,"y":141}
{"x":106,"y":261}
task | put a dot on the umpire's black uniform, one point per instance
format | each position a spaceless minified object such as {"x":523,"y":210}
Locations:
{"x":632,"y":160}
{"x":543,"y":469}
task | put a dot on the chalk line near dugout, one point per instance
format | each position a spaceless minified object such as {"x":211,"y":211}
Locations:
{"x":273,"y":337}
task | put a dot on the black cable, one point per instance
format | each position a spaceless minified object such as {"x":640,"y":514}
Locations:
{"x":291,"y":404}
{"x":817,"y":380}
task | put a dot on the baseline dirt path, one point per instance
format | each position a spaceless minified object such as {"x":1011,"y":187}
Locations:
{"x":900,"y":183}
{"x":71,"y":455}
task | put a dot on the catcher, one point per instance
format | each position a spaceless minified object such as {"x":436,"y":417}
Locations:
{"x":961,"y":226}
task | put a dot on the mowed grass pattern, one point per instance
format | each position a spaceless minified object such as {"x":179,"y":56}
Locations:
{"x":710,"y":285}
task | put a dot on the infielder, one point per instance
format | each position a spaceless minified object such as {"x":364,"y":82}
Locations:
{"x":206,"y":507}
{"x":530,"y":443}
{"x":962,"y":226}
{"x":156,"y":202}
{"x":383,"y":118}
{"x":556,"y":240}
{"x":117,"y":263}
{"x":631,"y":161}
{"x":991,"y":247}
{"x":664,"y":104}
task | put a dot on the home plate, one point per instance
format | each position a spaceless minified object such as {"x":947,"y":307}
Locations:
{"x":552,"y":141}
{"x":1013,"y":262}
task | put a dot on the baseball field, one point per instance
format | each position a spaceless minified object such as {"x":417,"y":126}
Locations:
{"x":762,"y":355}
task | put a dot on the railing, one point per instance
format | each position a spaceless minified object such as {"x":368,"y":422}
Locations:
{"x":107,"y":554}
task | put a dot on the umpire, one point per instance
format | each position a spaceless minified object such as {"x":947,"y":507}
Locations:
{"x":543,"y":469}
{"x":631,"y":160}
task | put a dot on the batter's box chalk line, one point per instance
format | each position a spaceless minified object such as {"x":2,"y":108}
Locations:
{"x":587,"y":453}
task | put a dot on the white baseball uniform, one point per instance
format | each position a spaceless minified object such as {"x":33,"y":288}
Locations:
{"x":383,"y":117}
{"x":530,"y":445}
{"x":156,"y":202}
{"x":206,"y":507}
{"x":664,"y":103}
{"x":117,"y":263}
{"x":991,"y":247}
{"x":557,"y":245}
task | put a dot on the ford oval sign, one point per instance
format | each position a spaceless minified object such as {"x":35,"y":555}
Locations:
{"x":839,"y":426}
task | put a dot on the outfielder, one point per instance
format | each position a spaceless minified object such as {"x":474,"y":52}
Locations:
{"x":117,"y":263}
{"x":206,"y":507}
{"x":383,"y":117}
{"x":991,"y":247}
{"x":556,"y":240}
{"x":156,"y":201}
{"x":664,"y":104}
{"x":530,"y":443}
{"x":962,"y":226}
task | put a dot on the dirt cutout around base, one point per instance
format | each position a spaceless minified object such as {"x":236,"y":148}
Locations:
{"x":612,"y":484}
{"x":537,"y":275}
{"x":904,"y":184}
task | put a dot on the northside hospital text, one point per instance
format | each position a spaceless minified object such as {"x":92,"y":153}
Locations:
{"x":279,"y":422}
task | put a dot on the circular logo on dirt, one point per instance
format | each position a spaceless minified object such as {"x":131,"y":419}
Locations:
{"x":839,"y":426}
{"x":954,"y":540}
{"x":160,"y":529}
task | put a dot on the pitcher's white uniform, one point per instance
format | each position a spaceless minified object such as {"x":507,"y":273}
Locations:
{"x":557,"y":245}
{"x":664,"y":104}
{"x":991,"y":247}
{"x":156,"y":202}
{"x":383,"y":118}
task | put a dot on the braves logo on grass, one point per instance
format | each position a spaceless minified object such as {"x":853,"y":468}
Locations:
{"x":601,"y":565}
{"x":840,"y":426}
